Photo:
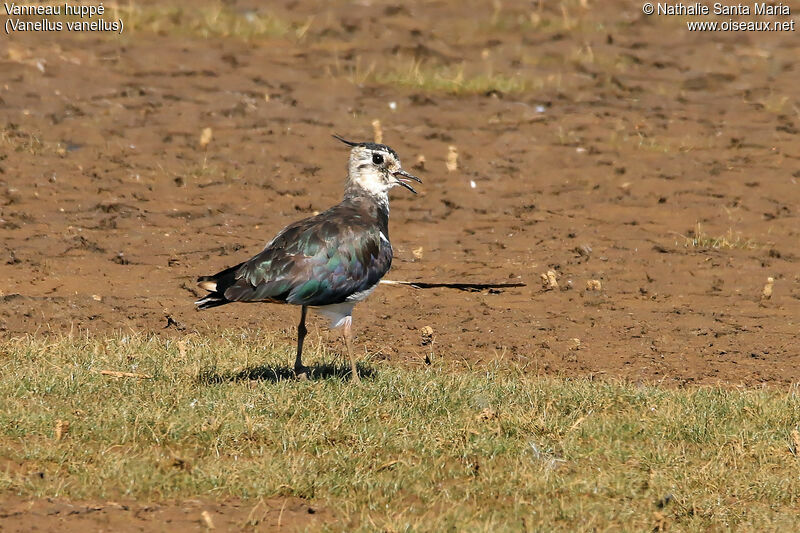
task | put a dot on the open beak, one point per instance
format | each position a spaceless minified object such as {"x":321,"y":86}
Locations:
{"x":403,"y":179}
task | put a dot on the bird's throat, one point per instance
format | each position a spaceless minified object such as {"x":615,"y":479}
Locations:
{"x":354,"y":191}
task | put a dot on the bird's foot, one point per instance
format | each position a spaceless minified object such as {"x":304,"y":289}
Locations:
{"x":302,"y":372}
{"x":354,"y":377}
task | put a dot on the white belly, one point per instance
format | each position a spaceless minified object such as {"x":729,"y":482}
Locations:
{"x":338,"y":314}
{"x":342,"y":313}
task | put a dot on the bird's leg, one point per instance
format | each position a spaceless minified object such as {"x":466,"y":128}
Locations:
{"x":299,"y":369}
{"x":348,"y":340}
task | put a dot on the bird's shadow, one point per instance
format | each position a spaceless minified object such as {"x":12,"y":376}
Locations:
{"x":276,"y":373}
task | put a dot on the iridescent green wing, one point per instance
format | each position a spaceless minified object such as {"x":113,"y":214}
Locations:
{"x":317,"y":261}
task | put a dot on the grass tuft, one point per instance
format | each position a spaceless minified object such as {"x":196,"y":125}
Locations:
{"x":731,"y":240}
{"x":427,"y":449}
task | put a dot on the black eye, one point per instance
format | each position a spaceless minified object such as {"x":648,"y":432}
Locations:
{"x":377,"y":159}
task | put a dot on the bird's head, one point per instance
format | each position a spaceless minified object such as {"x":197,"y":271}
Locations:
{"x":375,"y":168}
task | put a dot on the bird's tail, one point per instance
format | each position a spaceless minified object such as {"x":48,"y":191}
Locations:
{"x":211,"y":300}
{"x":216,"y":285}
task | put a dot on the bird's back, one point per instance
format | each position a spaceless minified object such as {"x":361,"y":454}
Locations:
{"x":317,"y":261}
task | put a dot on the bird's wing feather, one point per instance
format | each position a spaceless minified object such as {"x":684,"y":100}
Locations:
{"x":317,"y":261}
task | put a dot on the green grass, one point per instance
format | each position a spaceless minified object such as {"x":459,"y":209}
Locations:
{"x":430,"y":77}
{"x":427,"y":448}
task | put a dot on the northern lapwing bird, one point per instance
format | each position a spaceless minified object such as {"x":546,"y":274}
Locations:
{"x":328,"y":262}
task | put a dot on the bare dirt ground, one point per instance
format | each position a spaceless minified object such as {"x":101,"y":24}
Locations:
{"x":631,"y":132}
{"x":19,"y":515}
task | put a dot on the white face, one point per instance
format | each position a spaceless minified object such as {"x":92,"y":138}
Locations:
{"x":374,"y":169}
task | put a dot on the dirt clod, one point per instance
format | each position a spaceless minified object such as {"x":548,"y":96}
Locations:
{"x":205,"y":137}
{"x":452,"y":158}
{"x":594,"y":285}
{"x":207,"y":519}
{"x":549,"y":280}
{"x":427,"y":335}
{"x":766,"y":294}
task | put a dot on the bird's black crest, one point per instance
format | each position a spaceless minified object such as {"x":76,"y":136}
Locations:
{"x":345,"y":141}
{"x":369,"y":146}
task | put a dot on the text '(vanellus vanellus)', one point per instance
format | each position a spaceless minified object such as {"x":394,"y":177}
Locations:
{"x":328,"y":262}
